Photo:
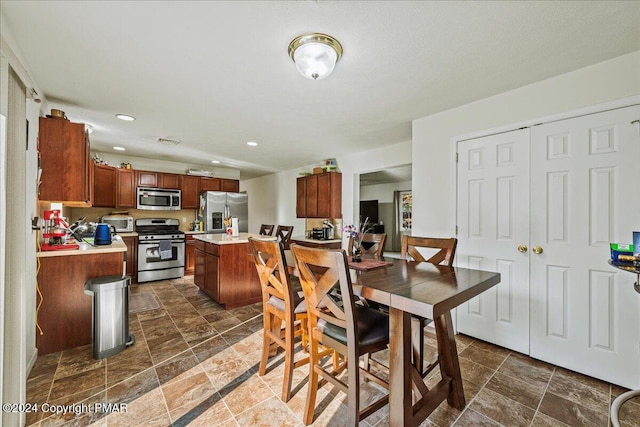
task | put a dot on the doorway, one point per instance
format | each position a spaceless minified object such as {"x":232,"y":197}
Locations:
{"x":381,"y":196}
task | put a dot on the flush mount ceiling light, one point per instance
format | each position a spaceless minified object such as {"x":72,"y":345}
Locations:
{"x":315,"y":54}
{"x":125,"y":117}
{"x":215,"y":161}
{"x":252,"y":144}
{"x":119,"y":148}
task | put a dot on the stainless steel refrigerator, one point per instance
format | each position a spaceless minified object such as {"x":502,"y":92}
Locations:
{"x":216,"y":206}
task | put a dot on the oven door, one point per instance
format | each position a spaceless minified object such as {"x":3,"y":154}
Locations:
{"x":153,"y":266}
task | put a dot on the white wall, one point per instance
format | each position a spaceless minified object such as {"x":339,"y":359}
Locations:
{"x":272,"y":198}
{"x":432,"y":181}
{"x":383,"y":193}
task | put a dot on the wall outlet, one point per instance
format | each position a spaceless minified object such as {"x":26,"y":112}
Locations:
{"x":184,"y":219}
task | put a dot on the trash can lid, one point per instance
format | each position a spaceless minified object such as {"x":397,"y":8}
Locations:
{"x":106,"y":283}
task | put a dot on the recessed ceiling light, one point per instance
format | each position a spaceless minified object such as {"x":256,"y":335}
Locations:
{"x":215,"y":161}
{"x":119,"y":148}
{"x":125,"y":117}
{"x":252,"y":143}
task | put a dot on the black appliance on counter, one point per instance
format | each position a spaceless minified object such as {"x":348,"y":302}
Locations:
{"x":321,"y":233}
{"x":161,"y":249}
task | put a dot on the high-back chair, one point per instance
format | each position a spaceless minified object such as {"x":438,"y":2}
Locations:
{"x":266,"y":229}
{"x":335,"y":321}
{"x":283,"y":233}
{"x":446,"y":252}
{"x":372,"y":244}
{"x":280,"y":304}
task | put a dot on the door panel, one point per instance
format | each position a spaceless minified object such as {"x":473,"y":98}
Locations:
{"x":493,"y":220}
{"x":585,"y":314}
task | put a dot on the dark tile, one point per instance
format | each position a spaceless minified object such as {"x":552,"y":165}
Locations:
{"x":81,"y":417}
{"x":210,"y":348}
{"x":121,"y":370}
{"x":541,"y":420}
{"x":502,"y":409}
{"x":166,"y":347}
{"x":486,"y":358}
{"x":526,"y":369}
{"x":244,"y":313}
{"x":157,"y":313}
{"x":237,"y":334}
{"x":487,"y":346}
{"x":77,"y":360}
{"x":523,"y":392}
{"x":176,"y":366}
{"x":471,"y":418}
{"x":570,"y":388}
{"x":474,"y":372}
{"x":629,"y":414}
{"x":599,"y":385}
{"x":571,"y":413}
{"x":80,"y":385}
{"x":133,"y":388}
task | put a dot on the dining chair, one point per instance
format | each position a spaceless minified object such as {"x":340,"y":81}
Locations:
{"x":281,"y":303}
{"x":372,"y":244}
{"x":445,"y":252}
{"x":336,"y":321}
{"x":283,"y":233}
{"x":266,"y":229}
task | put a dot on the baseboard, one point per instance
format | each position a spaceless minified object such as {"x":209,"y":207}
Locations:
{"x":32,"y":361}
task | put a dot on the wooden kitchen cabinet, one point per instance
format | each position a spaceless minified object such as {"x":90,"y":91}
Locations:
{"x":126,"y":188}
{"x":131,"y":257}
{"x":67,"y":170}
{"x":319,"y":196}
{"x":104,"y":186}
{"x":169,"y":180}
{"x":230,"y":185}
{"x":190,"y":192}
{"x":199,"y":263}
{"x":189,"y":255}
{"x":209,"y":184}
{"x":147,"y":179}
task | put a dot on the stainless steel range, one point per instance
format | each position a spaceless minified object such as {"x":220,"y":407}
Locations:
{"x":161,"y":249}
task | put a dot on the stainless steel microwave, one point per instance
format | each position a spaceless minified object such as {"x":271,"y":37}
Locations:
{"x":158,"y":199}
{"x":122,"y":223}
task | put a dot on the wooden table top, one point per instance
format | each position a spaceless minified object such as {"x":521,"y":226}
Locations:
{"x":422,"y":288}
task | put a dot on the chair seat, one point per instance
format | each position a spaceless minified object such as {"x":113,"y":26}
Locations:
{"x":373,"y":327}
{"x":298,"y":301}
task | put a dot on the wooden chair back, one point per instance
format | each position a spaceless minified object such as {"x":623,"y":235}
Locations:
{"x":372,"y":244}
{"x":445,"y":255}
{"x":272,"y":271}
{"x":283,"y":233}
{"x":266,"y":229}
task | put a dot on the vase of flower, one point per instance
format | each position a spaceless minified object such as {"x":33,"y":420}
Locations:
{"x":357,"y":255}
{"x":356,"y":235}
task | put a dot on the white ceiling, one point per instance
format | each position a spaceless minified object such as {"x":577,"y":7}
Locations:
{"x":216,"y":74}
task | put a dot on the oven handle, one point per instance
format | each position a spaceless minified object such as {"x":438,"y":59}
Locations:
{"x":155,"y":242}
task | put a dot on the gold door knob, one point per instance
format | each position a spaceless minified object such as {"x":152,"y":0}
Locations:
{"x":537,"y":250}
{"x":522,"y":248}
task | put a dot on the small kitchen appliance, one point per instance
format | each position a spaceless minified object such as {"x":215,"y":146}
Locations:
{"x":103,"y":234}
{"x":121,"y":223}
{"x":158,"y":199}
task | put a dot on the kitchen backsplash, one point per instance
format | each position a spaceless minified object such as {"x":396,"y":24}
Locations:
{"x":93,"y":214}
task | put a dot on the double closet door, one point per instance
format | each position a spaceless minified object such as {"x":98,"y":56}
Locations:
{"x":540,"y":205}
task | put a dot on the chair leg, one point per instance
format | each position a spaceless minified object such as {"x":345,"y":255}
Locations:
{"x":266,"y":342}
{"x":312,"y":390}
{"x":353,"y":391}
{"x":288,"y":361}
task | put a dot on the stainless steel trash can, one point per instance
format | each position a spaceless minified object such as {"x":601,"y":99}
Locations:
{"x":110,"y":328}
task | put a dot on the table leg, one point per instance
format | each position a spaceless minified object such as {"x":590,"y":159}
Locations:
{"x":448,"y":356}
{"x":400,"y":397}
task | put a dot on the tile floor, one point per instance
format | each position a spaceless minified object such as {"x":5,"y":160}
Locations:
{"x":196,"y":364}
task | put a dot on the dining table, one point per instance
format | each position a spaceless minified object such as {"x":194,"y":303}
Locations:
{"x":430,"y":291}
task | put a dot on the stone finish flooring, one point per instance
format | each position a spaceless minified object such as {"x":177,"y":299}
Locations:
{"x":196,"y":364}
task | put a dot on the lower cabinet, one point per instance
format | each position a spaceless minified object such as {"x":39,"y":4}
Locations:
{"x":131,"y":257}
{"x":189,"y":255}
{"x":226,"y":273}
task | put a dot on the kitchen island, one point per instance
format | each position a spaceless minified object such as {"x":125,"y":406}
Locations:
{"x":224,"y":269}
{"x":64,"y":312}
{"x":315,"y":243}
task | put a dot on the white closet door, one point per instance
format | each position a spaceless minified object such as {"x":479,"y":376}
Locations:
{"x":585,"y":175}
{"x":493,"y":220}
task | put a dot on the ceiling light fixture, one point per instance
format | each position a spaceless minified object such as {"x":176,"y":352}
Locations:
{"x":315,"y":54}
{"x":125,"y":117}
{"x":119,"y":148}
{"x":252,"y":144}
{"x":89,"y":128}
{"x":215,"y":161}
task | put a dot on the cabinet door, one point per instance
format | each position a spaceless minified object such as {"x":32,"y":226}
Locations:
{"x":147,"y":179}
{"x":169,"y":180}
{"x":190,"y":192}
{"x":209,"y":184}
{"x":104,"y":186}
{"x":212,"y":276}
{"x":324,"y":195}
{"x":301,"y":197}
{"x":131,"y":257}
{"x":199,"y":272}
{"x":311,"y":196}
{"x":67,"y":172}
{"x":126,"y":188}
{"x":230,"y":185}
{"x":189,"y":256}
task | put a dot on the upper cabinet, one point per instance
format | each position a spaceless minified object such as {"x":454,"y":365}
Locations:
{"x":147,"y":179}
{"x":319,"y":196}
{"x":209,"y":184}
{"x":169,"y":180}
{"x":158,"y":180}
{"x":231,"y":185}
{"x":104,"y":186}
{"x":126,"y":188}
{"x":67,"y":172}
{"x":190,"y":192}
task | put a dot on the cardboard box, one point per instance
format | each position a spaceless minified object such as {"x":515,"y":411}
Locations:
{"x":317,"y":170}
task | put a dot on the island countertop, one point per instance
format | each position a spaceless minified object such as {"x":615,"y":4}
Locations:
{"x":225,"y":239}
{"x":117,"y":245}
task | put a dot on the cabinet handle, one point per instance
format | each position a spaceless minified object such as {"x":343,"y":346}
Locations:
{"x":522,"y":248}
{"x":537,"y":250}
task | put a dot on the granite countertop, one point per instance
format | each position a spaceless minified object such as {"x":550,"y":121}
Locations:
{"x":193,"y":232}
{"x":319,"y":242}
{"x":85,"y":249}
{"x":128,"y":234}
{"x":225,"y":239}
